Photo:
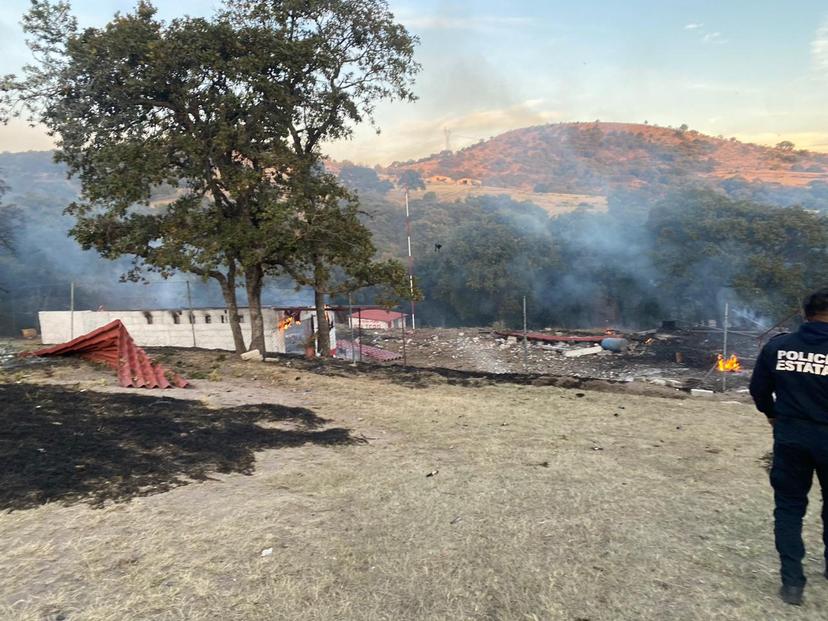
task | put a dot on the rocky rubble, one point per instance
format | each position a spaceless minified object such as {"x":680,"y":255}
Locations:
{"x":649,"y":357}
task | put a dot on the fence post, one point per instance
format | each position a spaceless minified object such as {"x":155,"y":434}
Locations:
{"x":525,"y":342}
{"x":191,"y":318}
{"x":72,"y":310}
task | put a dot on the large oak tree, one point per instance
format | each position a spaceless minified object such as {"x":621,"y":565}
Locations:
{"x":223,"y":111}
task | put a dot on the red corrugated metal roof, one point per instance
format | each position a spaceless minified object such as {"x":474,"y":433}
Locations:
{"x":377,"y":314}
{"x":112,"y":345}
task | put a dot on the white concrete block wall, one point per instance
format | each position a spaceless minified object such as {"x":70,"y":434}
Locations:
{"x":56,"y":327}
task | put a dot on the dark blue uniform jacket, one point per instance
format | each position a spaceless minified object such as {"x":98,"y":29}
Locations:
{"x":794,"y":367}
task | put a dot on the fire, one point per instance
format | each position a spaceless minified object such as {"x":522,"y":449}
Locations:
{"x":288,"y":321}
{"x":731,"y":365}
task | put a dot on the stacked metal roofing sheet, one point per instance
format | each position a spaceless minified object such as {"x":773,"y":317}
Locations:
{"x":112,"y":345}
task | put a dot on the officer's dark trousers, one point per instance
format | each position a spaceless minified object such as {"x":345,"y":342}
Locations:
{"x":800,"y":448}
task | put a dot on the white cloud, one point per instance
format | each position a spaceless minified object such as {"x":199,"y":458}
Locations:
{"x":713,"y":37}
{"x":819,"y":47}
{"x":706,"y":36}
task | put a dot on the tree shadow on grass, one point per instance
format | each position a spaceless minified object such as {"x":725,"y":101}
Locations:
{"x":58,"y":444}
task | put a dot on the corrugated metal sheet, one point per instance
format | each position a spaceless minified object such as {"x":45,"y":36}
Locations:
{"x":112,"y":345}
{"x":551,"y":338}
{"x":375,"y":353}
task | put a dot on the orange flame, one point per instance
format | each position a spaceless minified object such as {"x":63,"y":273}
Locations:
{"x":288,"y":321}
{"x":731,"y":365}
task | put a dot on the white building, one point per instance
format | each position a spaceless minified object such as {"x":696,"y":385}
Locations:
{"x":206,"y":328}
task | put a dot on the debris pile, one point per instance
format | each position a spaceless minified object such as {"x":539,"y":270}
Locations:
{"x":677,"y":358}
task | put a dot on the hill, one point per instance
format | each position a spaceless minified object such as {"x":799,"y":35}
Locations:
{"x":599,"y":158}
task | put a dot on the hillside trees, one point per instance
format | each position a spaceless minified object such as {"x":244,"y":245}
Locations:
{"x":410,"y":180}
{"x":704,"y":242}
{"x":8,"y":217}
{"x":363,"y":179}
{"x":484,"y":267}
{"x":645,"y":260}
{"x":224,"y":110}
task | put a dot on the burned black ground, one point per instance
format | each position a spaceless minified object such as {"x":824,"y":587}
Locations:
{"x":60,"y":444}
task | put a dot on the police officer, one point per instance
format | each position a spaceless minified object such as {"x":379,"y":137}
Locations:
{"x":794,"y":369}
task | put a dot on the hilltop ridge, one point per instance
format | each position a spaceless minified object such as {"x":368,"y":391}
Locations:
{"x":597,"y":158}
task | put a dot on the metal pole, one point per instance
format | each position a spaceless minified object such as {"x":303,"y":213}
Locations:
{"x":351,"y":320}
{"x":724,"y":344}
{"x":359,"y":320}
{"x":525,"y":341}
{"x":405,"y":357}
{"x":192,"y":315}
{"x":410,"y":259}
{"x":72,"y":310}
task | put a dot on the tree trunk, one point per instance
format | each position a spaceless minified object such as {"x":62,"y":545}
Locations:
{"x":228,"y":290}
{"x":323,"y":338}
{"x":253,"y":279}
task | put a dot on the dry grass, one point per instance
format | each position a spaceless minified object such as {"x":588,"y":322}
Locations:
{"x":554,"y":204}
{"x":546,"y":505}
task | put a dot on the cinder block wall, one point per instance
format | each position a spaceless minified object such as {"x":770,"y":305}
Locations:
{"x":158,"y":328}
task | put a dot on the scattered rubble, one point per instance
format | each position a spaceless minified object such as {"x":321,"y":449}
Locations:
{"x":583,"y":351}
{"x":676,"y":359}
{"x":253,"y":354}
{"x":701,"y":392}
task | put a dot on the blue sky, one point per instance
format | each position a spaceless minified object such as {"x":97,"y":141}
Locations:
{"x":757,"y":70}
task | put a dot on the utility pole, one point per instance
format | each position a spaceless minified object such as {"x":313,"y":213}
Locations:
{"x":410,"y":259}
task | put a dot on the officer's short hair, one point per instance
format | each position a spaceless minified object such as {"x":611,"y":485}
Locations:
{"x":816,"y":303}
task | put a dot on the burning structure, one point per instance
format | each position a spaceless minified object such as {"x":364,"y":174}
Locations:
{"x":287,"y":330}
